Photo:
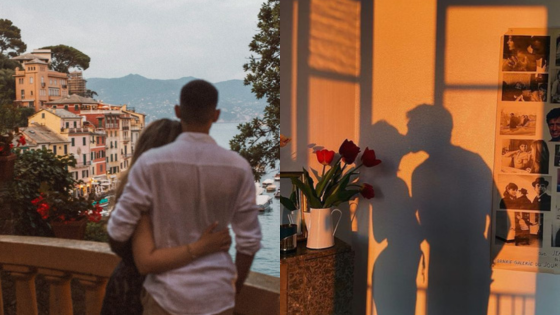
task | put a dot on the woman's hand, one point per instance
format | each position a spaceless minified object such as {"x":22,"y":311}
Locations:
{"x":212,"y":242}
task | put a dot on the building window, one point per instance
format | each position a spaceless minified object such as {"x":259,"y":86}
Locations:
{"x":22,"y":94}
{"x":92,"y":156}
{"x":101,"y":168}
{"x":30,"y":80}
{"x":65,"y":149}
{"x":84,"y":140}
{"x":31,"y":93}
{"x":67,"y":125}
{"x":54,"y":149}
{"x":66,"y":107}
{"x":74,"y":124}
{"x":73,"y":142}
{"x":76,"y":107}
{"x":43,"y":115}
{"x":111,"y":158}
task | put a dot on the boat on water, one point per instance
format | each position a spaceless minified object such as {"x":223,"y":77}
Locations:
{"x":270,"y":188}
{"x":277,"y":193}
{"x":277,"y":177}
{"x":260,"y":190}
{"x":264,"y":202}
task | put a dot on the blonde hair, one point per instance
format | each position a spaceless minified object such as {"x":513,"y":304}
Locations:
{"x":156,"y":134}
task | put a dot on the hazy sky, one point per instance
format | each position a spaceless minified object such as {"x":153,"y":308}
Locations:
{"x":158,"y":39}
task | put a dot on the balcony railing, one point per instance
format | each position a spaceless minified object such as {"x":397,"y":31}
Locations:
{"x":59,"y":261}
{"x":125,"y":128}
{"x":82,"y":165}
{"x":78,"y":130}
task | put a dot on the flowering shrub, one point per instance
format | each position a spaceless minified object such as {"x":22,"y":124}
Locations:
{"x":337,"y":185}
{"x":53,"y":207}
{"x":42,"y":192}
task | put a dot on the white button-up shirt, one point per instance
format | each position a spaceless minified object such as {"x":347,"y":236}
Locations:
{"x":185,"y":186}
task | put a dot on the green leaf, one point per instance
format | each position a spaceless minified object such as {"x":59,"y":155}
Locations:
{"x":286,"y":202}
{"x":327,"y":178}
{"x":313,"y":201}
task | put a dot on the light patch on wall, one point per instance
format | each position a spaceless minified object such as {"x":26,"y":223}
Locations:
{"x":404,"y":58}
{"x":472,"y":47}
{"x":334,"y":36}
{"x":332,"y":114}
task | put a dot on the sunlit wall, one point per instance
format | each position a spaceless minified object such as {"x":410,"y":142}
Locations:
{"x":347,"y":65}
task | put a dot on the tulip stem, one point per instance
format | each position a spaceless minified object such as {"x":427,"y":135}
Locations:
{"x":323,"y":175}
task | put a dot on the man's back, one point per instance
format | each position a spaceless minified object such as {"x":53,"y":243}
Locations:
{"x":186,"y":186}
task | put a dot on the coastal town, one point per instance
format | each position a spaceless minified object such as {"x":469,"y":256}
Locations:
{"x":100,"y":136}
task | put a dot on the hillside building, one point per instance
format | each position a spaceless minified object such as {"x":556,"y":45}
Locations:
{"x":36,"y":84}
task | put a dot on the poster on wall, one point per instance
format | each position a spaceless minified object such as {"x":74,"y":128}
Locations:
{"x":526,"y":206}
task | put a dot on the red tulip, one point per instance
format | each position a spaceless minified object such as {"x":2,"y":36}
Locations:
{"x":369,"y":159}
{"x":367,"y":191}
{"x":325,"y":156}
{"x":349,"y":151}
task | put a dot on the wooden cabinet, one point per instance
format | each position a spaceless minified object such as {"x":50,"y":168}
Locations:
{"x":317,"y":282}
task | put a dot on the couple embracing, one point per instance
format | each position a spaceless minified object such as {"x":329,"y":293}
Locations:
{"x":172,"y":216}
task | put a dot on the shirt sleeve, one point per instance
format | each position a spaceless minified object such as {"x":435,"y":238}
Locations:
{"x":245,"y":223}
{"x":135,"y":199}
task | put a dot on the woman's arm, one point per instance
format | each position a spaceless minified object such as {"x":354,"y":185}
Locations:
{"x":149,"y":259}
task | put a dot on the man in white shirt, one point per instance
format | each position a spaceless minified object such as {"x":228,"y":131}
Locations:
{"x":184,"y":187}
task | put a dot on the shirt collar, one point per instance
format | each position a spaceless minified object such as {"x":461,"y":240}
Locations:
{"x":196,"y":137}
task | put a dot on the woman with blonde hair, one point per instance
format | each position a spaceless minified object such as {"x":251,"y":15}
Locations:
{"x":139,"y":255}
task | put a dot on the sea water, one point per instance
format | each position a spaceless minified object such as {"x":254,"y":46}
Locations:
{"x":267,"y":260}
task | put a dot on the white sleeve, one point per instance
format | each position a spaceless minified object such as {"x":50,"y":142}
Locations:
{"x":135,"y":199}
{"x":245,"y":223}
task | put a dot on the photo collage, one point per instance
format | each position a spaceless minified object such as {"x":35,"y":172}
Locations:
{"x":527,"y":161}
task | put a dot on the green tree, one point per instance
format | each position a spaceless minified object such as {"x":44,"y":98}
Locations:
{"x":90,"y":93}
{"x":7,"y":86}
{"x":66,"y":57}
{"x":259,"y":139}
{"x":10,"y":39}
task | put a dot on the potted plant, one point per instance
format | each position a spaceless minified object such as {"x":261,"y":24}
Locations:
{"x":66,"y":214}
{"x":337,"y":183}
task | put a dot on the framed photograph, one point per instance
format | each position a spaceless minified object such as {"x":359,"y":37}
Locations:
{"x":287,"y":188}
{"x":518,"y":120}
{"x":525,"y":156}
{"x":525,"y":192}
{"x":524,"y":87}
{"x":517,"y":228}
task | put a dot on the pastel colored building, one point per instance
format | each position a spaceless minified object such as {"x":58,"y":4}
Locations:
{"x":36,"y":84}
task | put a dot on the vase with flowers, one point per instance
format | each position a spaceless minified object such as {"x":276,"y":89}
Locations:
{"x":337,"y":183}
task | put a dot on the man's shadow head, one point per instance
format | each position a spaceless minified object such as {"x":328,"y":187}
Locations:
{"x":429,"y":127}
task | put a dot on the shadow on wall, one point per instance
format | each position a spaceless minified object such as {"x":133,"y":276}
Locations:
{"x":452,"y":218}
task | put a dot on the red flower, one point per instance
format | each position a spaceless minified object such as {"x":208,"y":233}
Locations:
{"x":349,"y":151}
{"x":325,"y":156}
{"x":367,"y":191}
{"x":21,"y":140}
{"x":369,"y":159}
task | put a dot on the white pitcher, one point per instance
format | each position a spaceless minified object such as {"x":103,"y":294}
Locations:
{"x":320,"y":227}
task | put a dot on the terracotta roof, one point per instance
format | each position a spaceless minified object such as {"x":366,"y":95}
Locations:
{"x":29,"y":57}
{"x":73,"y":99}
{"x":37,"y":61}
{"x":41,"y":134}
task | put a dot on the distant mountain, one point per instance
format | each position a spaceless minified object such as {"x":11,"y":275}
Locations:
{"x":156,"y":98}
